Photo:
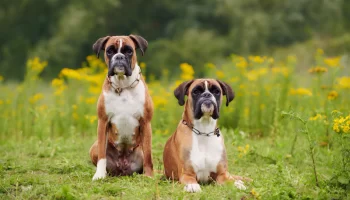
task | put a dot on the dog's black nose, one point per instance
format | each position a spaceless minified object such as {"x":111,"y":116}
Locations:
{"x":206,"y":95}
{"x":120,"y":57}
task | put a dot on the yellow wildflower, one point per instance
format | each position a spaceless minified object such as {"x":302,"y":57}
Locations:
{"x":57,"y":82}
{"x":341,"y":124}
{"x":270,"y":60}
{"x":90,"y":100}
{"x":255,"y":194}
{"x":210,"y":66}
{"x":246,"y":112}
{"x":300,"y":92}
{"x":220,"y":74}
{"x":317,"y":70}
{"x":36,"y":65}
{"x":159,"y":101}
{"x":1,"y":102}
{"x":291,"y":58}
{"x":243,"y":150}
{"x":75,"y":115}
{"x":332,"y":95}
{"x":280,"y":70}
{"x":1,"y":78}
{"x":91,"y":118}
{"x":35,"y":98}
{"x":332,"y":62}
{"x":242,"y":63}
{"x":187,"y":71}
{"x":257,"y":59}
{"x":343,"y":82}
{"x":317,"y":117}
{"x":320,"y":51}
{"x":42,"y":108}
{"x":234,"y":79}
{"x":262,"y":106}
{"x":142,"y":65}
{"x":70,"y":73}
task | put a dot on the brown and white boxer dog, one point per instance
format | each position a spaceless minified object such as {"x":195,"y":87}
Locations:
{"x":125,"y":110}
{"x":195,"y":153}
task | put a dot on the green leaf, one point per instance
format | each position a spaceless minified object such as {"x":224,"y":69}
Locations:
{"x":343,"y":180}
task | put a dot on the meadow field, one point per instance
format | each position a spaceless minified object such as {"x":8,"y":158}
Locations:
{"x":288,"y":129}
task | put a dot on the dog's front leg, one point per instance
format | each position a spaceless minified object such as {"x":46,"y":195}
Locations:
{"x":146,"y":134}
{"x":189,"y":179}
{"x":102,"y":132}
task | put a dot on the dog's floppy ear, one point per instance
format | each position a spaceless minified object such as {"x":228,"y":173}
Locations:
{"x":140,"y":43}
{"x":100,"y":45}
{"x":227,"y":90}
{"x":181,"y":91}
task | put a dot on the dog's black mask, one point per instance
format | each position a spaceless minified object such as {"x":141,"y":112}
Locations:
{"x":119,"y":61}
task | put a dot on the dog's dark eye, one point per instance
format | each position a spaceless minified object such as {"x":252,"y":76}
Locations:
{"x":196,"y":92}
{"x":110,"y":51}
{"x":128,"y":51}
{"x":216,"y":91}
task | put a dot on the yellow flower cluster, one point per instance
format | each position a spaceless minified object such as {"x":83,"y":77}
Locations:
{"x":91,"y":118}
{"x":318,"y":117}
{"x":36,"y":65}
{"x":243,"y":150}
{"x":342,"y":124}
{"x":187,"y":71}
{"x":332,"y":95}
{"x":280,"y":70}
{"x":1,"y":78}
{"x":255,"y":74}
{"x":257,"y":59}
{"x":239,"y":61}
{"x":300,"y":92}
{"x":343,"y":82}
{"x":332,"y":62}
{"x":255,"y":194}
{"x":35,"y":98}
{"x":317,"y":70}
{"x":58,"y":85}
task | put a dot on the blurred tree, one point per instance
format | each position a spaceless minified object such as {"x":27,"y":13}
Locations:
{"x":196,"y":32}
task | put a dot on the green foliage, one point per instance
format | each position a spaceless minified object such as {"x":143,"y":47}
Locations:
{"x":63,"y":32}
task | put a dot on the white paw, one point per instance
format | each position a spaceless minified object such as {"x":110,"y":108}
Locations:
{"x":99,"y":175}
{"x":192,"y":187}
{"x":100,"y":170}
{"x":240,"y":185}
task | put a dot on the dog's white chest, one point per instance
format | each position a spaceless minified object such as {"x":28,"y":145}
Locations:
{"x":205,"y":155}
{"x":125,"y":109}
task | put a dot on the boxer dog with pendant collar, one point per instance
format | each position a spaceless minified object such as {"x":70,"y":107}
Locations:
{"x":124,"y":109}
{"x":196,"y":153}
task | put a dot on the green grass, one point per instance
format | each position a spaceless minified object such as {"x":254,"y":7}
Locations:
{"x":60,"y":168}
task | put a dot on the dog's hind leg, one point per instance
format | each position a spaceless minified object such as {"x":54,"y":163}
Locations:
{"x":146,"y":132}
{"x":102,"y":132}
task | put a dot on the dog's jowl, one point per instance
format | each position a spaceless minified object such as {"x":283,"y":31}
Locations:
{"x":124,"y":111}
{"x":196,"y":153}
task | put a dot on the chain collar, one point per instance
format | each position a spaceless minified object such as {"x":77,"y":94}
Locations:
{"x":196,"y":131}
{"x":119,"y":90}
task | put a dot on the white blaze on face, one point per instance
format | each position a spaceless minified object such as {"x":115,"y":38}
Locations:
{"x":206,"y":86}
{"x":120,"y":45}
{"x":205,"y":109}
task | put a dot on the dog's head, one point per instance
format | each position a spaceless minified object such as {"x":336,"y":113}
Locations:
{"x":204,"y":96}
{"x":120,"y":52}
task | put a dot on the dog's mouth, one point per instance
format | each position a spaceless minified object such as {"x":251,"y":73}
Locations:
{"x":207,"y":108}
{"x":119,"y":70}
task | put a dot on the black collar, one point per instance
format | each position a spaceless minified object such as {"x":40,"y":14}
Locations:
{"x":196,"y":131}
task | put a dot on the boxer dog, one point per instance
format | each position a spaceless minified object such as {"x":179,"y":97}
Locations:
{"x":124,"y":109}
{"x":195,"y":153}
